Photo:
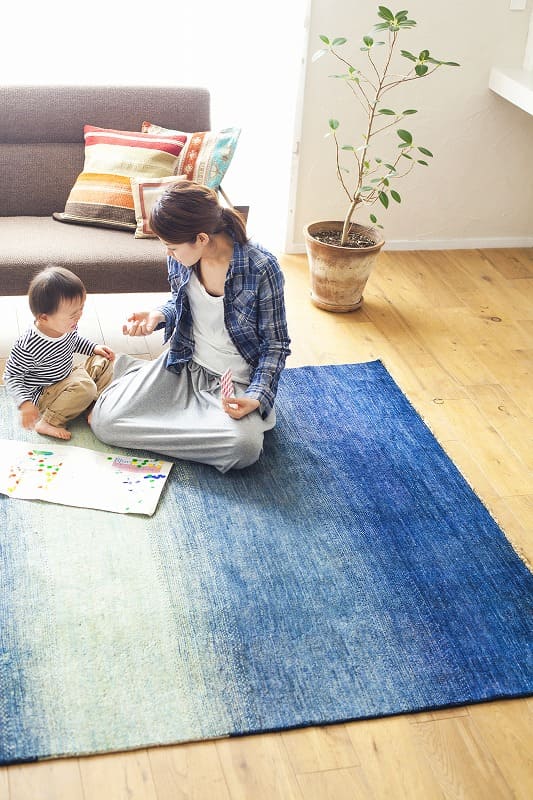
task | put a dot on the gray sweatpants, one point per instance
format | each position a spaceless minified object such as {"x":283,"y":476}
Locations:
{"x":148,"y":407}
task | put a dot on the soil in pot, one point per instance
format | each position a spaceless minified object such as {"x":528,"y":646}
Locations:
{"x":334,"y":237}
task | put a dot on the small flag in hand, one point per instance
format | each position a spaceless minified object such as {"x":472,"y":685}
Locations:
{"x":226,"y":383}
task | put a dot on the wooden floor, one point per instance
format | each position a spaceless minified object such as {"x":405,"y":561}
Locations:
{"x":455,"y":330}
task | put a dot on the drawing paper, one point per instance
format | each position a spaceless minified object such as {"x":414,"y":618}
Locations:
{"x":76,"y":476}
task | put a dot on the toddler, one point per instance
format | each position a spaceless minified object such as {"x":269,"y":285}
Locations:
{"x":39,"y":375}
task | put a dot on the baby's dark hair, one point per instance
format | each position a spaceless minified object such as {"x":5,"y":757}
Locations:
{"x":186,"y":209}
{"x":52,"y":285}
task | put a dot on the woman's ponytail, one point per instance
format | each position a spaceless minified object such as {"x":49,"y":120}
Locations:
{"x":234,"y":224}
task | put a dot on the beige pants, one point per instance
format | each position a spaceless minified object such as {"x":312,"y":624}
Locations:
{"x":67,"y":399}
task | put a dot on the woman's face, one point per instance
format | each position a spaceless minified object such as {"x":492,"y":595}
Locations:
{"x":188,"y":253}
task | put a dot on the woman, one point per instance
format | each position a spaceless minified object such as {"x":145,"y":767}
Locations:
{"x":227,"y":311}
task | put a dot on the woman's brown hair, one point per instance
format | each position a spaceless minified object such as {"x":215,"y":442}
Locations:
{"x":186,"y":209}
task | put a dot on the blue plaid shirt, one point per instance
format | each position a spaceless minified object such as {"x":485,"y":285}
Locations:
{"x":254,"y":315}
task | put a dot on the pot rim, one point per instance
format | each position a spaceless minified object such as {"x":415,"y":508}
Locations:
{"x":338,"y":224}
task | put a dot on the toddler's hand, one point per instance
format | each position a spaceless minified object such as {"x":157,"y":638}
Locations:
{"x":105,"y":351}
{"x":29,"y":414}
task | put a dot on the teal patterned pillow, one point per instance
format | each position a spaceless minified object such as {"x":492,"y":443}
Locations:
{"x":206,"y":155}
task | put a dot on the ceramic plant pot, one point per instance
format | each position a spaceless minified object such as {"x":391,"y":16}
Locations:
{"x":339,"y":274}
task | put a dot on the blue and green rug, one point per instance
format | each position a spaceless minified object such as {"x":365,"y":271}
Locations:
{"x":351,"y":573}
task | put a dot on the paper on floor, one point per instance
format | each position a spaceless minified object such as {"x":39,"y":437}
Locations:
{"x":76,"y":476}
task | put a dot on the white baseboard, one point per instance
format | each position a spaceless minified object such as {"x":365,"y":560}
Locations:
{"x":442,"y":244}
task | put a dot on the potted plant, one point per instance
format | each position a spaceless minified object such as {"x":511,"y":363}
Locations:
{"x":341,"y":254}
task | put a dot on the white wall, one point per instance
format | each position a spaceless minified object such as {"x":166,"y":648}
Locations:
{"x":478,"y":189}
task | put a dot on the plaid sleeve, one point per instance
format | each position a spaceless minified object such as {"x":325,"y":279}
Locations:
{"x":273,"y":336}
{"x":169,"y":311}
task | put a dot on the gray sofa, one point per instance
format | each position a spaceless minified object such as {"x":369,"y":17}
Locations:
{"x":42,"y":153}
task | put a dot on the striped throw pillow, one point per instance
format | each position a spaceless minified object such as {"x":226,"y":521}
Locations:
{"x":146,"y":191}
{"x":102,"y":193}
{"x":206,"y":155}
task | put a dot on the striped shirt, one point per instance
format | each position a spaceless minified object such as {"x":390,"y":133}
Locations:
{"x":254,"y":315}
{"x":37,"y":361}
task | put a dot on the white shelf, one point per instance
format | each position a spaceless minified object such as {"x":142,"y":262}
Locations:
{"x":516,"y":85}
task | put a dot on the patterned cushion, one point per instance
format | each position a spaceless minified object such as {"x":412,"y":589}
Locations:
{"x":102,"y":193}
{"x":206,"y":155}
{"x":145,"y":192}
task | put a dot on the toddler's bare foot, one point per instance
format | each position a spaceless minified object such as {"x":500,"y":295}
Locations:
{"x":89,"y":416}
{"x":51,"y":430}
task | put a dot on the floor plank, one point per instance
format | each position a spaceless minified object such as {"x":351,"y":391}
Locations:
{"x":117,"y":776}
{"x":187,"y":772}
{"x":460,"y":761}
{"x":384,"y":747}
{"x":318,"y":749}
{"x":46,"y":780}
{"x":258,"y":768}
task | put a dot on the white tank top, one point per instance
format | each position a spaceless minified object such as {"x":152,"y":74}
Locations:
{"x":213,"y":347}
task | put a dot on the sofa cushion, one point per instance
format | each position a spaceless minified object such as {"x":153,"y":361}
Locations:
{"x":145,"y":193}
{"x":102,"y":194}
{"x":105,"y":260}
{"x":206,"y":155}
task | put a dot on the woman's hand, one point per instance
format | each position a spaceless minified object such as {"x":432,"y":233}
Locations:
{"x":142,"y":323}
{"x":238,"y":407}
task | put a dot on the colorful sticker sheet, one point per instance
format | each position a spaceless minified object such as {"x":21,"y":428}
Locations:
{"x":76,"y":476}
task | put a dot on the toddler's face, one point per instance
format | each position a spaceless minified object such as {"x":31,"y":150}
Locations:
{"x":64,"y":319}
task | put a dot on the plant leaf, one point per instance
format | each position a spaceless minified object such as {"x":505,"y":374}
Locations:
{"x":368,"y":40}
{"x":387,"y":111}
{"x":384,"y":200}
{"x":338,"y":40}
{"x":373,"y":218}
{"x":324,"y":39}
{"x":425,"y":163}
{"x":409,"y":111}
{"x":395,"y":196}
{"x":426,"y":151}
{"x":405,"y":136}
{"x":407,"y":54}
{"x":421,"y":70}
{"x":333,"y":124}
{"x":318,"y":54}
{"x":385,"y":13}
